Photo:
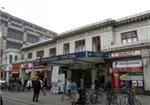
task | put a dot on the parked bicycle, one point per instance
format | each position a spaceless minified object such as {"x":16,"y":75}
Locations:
{"x":94,"y":97}
{"x":66,"y":95}
{"x":111,"y":98}
{"x":129,"y":99}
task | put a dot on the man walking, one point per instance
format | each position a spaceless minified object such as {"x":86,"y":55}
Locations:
{"x":42,"y":87}
{"x":36,"y":87}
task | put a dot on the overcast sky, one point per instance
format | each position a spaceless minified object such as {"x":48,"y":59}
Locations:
{"x":63,"y":15}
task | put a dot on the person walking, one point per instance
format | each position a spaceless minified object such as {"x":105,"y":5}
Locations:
{"x":109,"y":89}
{"x":74,"y":93}
{"x":42,"y":87}
{"x":29,"y":85}
{"x":36,"y":88}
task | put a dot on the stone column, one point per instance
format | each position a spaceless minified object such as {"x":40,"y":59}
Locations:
{"x":69,"y":74}
{"x":146,"y":68}
{"x":93,"y":77}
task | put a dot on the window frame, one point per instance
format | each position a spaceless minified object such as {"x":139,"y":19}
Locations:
{"x":52,"y":51}
{"x":29,"y":56}
{"x":80,"y":45}
{"x":129,"y":37}
{"x":66,"y":48}
{"x":40,"y":53}
{"x":96,"y":43}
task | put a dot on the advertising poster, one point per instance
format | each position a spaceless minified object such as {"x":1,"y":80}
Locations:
{"x":140,"y":84}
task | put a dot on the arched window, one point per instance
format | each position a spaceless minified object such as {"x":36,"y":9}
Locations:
{"x":5,"y":59}
{"x":10,"y":58}
{"x":16,"y":58}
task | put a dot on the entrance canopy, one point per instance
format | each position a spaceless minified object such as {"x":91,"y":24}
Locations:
{"x":85,"y":56}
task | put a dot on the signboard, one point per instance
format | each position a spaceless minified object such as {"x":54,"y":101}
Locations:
{"x":126,"y":54}
{"x":55,"y":74}
{"x":127,"y":65}
{"x":15,"y":69}
{"x":74,"y":56}
{"x":99,"y":54}
{"x":26,"y":65}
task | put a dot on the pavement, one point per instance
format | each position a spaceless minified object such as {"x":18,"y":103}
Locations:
{"x":52,"y":99}
{"x":26,"y":98}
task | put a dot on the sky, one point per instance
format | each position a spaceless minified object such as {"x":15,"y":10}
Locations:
{"x":63,"y":15}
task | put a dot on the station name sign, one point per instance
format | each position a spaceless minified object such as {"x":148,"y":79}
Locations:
{"x":74,"y":56}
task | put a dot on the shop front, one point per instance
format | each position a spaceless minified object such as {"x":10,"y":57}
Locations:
{"x":26,"y":69}
{"x":127,"y":66}
{"x":80,"y":66}
{"x":15,"y":71}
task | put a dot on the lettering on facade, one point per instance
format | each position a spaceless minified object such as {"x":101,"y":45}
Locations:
{"x":70,"y":56}
{"x":126,"y":54}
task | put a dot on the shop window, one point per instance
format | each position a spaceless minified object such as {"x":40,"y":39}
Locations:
{"x":79,"y":45}
{"x":66,"y":48}
{"x":129,"y":37}
{"x":52,"y":52}
{"x":40,"y":53}
{"x":30,"y":56}
{"x":96,"y":44}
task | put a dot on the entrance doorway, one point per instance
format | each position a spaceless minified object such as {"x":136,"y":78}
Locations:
{"x":82,"y":77}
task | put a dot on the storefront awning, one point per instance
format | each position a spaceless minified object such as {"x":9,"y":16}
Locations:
{"x":85,"y":56}
{"x":15,"y":69}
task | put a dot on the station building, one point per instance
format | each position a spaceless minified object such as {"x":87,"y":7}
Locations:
{"x":117,"y":47}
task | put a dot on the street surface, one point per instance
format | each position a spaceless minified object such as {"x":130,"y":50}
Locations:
{"x":25,"y":98}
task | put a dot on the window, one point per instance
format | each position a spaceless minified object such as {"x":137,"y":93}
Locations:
{"x":16,"y":58}
{"x":80,"y":46}
{"x":10,"y":58}
{"x":32,"y":38}
{"x":15,"y":20}
{"x":29,"y":56}
{"x":52,"y":52}
{"x":13,"y":45}
{"x":15,"y":34}
{"x":129,"y":37}
{"x":96,"y":44}
{"x":66,"y":48}
{"x":40,"y":53}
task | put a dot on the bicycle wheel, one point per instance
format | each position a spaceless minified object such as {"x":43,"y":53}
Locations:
{"x":114,"y":99}
{"x":108,"y":101}
{"x":124,"y":100}
{"x":99,"y":99}
{"x":136,"y":101}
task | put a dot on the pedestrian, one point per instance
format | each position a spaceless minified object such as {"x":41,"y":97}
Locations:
{"x":109,"y":89}
{"x":19,"y":84}
{"x":42,"y":87}
{"x":74,"y":93}
{"x":36,"y":88}
{"x":29,"y":85}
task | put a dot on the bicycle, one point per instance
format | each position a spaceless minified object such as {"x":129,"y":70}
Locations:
{"x":129,"y":99}
{"x":111,"y":98}
{"x":66,"y":94}
{"x":94,"y":97}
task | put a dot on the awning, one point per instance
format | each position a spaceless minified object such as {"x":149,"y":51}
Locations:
{"x":15,"y":69}
{"x":85,"y":56}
